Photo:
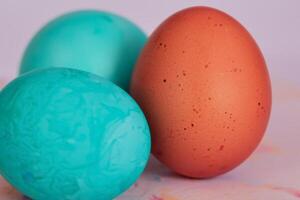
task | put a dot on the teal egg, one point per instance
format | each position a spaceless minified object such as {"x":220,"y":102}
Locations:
{"x":66,"y":134}
{"x":98,"y":42}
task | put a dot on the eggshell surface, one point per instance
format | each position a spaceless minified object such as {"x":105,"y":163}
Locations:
{"x":69,"y":134}
{"x":94,"y":41}
{"x":204,"y":87}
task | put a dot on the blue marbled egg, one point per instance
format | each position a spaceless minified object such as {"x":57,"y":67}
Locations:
{"x":68,"y":134}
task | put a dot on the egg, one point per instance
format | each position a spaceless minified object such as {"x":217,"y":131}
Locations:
{"x":94,"y":41}
{"x":69,"y":134}
{"x":204,"y":87}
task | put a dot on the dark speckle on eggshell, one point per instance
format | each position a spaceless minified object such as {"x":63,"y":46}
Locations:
{"x":210,"y":49}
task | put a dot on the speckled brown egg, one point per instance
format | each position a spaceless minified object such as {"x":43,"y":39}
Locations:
{"x":204,"y":86}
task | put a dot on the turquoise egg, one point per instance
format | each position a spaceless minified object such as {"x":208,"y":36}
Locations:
{"x":66,"y":134}
{"x":98,"y":42}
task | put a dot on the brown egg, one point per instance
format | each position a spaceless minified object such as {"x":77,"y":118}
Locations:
{"x":204,"y":87}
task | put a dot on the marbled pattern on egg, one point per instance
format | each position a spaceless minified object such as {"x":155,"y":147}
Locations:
{"x":68,"y":134}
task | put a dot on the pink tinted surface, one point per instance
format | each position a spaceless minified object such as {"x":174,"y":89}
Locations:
{"x":273,"y":170}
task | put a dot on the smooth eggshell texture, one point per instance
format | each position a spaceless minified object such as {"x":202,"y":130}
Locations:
{"x":204,"y":87}
{"x":66,"y":134}
{"x":94,"y":41}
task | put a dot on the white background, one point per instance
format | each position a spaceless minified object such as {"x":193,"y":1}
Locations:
{"x":275,"y":24}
